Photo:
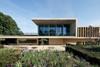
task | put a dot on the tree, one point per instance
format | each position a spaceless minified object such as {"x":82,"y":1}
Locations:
{"x":8,"y":26}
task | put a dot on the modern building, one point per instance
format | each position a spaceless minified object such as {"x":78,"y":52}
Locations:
{"x":88,"y":31}
{"x":55,"y":28}
{"x":53,"y":32}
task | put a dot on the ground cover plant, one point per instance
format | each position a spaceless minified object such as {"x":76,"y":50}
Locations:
{"x":46,"y":58}
{"x":93,"y":49}
{"x":8,"y":56}
{"x":50,"y":59}
{"x":89,"y":52}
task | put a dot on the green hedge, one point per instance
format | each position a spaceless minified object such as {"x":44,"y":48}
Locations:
{"x":83,"y":53}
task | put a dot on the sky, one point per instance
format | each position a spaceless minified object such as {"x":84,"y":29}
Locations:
{"x":87,"y":12}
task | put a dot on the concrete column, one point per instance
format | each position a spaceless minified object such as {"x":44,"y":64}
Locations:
{"x":17,"y":41}
{"x":37,"y":41}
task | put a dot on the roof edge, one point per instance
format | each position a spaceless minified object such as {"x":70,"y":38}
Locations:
{"x":54,"y":19}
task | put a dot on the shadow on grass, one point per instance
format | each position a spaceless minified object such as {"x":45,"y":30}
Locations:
{"x":94,"y":49}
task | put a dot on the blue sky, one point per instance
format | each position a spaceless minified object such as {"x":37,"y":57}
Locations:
{"x":23,"y":11}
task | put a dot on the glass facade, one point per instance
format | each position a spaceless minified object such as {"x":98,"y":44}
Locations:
{"x":44,"y":30}
{"x":59,"y":30}
{"x":54,"y":30}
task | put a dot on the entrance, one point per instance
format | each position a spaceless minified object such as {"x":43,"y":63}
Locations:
{"x":43,"y":41}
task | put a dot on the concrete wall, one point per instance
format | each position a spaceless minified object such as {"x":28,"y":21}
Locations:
{"x":73,"y":29}
{"x":56,"y":41}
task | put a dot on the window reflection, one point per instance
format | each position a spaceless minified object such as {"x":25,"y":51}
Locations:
{"x":59,"y":30}
{"x":43,"y":30}
{"x":54,"y":30}
{"x":66,"y":30}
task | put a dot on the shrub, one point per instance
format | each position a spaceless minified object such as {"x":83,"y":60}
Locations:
{"x":49,"y":59}
{"x":1,"y":46}
{"x":8,"y":56}
{"x":83,"y":53}
{"x":45,"y":58}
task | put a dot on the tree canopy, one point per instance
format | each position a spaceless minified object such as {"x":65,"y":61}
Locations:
{"x":8,"y":26}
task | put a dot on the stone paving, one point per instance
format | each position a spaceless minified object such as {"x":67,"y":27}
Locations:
{"x":37,"y":47}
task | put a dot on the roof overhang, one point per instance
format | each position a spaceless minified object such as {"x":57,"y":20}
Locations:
{"x":40,"y":21}
{"x":36,"y":37}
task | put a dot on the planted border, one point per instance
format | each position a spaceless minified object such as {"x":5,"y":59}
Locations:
{"x":82,"y":53}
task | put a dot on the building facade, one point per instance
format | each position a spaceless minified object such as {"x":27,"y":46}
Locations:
{"x":88,"y":31}
{"x":55,"y":28}
{"x":59,"y":31}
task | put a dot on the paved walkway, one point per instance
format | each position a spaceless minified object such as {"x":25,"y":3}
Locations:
{"x":38,"y":47}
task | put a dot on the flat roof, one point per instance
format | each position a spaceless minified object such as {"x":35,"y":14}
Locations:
{"x":39,"y":21}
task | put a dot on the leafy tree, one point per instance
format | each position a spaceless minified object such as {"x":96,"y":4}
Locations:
{"x":8,"y":26}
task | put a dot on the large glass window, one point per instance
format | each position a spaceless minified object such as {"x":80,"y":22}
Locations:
{"x":46,"y":30}
{"x":59,"y":30}
{"x":66,"y":30}
{"x":54,"y":30}
{"x":43,"y":30}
